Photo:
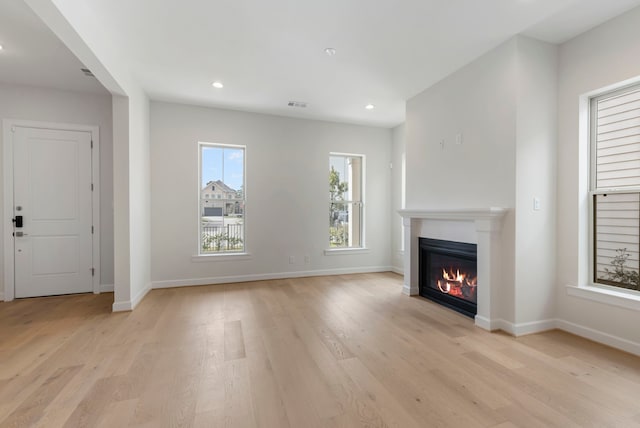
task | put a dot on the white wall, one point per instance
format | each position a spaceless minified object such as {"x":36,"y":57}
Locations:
{"x":132,"y":218}
{"x":536,"y":143}
{"x":48,"y":105}
{"x":122,"y":235}
{"x":478,"y":101}
{"x":504,"y":107}
{"x":77,"y":24}
{"x":286,"y":188}
{"x":139,"y":196}
{"x":601,"y":57}
{"x":398,"y":148}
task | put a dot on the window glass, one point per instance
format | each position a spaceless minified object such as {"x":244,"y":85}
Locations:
{"x":615,"y":188}
{"x":346,"y":207}
{"x":222,"y":213}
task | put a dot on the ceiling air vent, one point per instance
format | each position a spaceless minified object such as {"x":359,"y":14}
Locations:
{"x":299,"y":104}
{"x":87,"y":72}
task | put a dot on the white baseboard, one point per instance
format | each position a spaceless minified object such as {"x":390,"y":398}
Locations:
{"x":1,"y":296}
{"x":483,"y":323}
{"x":106,"y":288}
{"x":515,"y":329}
{"x":524,"y":328}
{"x":264,"y":277}
{"x":129,"y":305}
{"x":599,"y":336}
{"x":122,"y":306}
{"x":398,"y":270}
{"x":533,"y":327}
{"x":410,"y":291}
{"x":494,"y":324}
{"x":545,"y":325}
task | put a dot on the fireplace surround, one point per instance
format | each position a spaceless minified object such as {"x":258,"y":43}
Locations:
{"x":480,"y":226}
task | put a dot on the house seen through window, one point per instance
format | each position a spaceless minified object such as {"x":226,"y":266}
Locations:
{"x":346,"y":207}
{"x":222,"y":198}
{"x":615,"y":187}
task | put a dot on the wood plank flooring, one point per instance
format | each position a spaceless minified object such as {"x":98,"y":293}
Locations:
{"x":339,"y":351}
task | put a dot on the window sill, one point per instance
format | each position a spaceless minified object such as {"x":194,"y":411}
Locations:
{"x":628,"y":300}
{"x":203,"y":258}
{"x":343,"y":251}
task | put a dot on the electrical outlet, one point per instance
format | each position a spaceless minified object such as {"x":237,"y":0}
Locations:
{"x":459,"y":138}
{"x":307,"y":259}
{"x":442,"y":144}
{"x":292,"y":260}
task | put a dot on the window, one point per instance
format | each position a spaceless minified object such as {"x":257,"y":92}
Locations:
{"x":222,"y":219}
{"x":615,"y":187}
{"x":346,"y":207}
{"x":403,"y":196}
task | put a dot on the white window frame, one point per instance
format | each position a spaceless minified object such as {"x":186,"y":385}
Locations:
{"x":403,"y":198}
{"x":227,"y":255}
{"x":331,"y":251}
{"x":585,"y":287}
{"x":593,"y":190}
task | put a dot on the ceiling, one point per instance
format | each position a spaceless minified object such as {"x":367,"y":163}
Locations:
{"x":267,"y":53}
{"x":32,"y":55}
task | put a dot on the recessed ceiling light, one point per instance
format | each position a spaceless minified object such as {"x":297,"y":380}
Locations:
{"x":217,"y":85}
{"x":330,"y":51}
{"x":369,"y":106}
{"x":1,"y":47}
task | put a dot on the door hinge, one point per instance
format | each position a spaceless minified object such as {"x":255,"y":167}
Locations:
{"x":92,"y":144}
{"x":92,"y":230}
{"x":93,"y":271}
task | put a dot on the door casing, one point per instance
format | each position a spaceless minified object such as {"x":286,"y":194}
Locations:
{"x":8,"y":126}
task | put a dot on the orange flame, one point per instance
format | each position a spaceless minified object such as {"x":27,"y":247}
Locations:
{"x":454,"y":283}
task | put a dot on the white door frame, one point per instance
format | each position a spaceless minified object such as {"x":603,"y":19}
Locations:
{"x":8,"y":126}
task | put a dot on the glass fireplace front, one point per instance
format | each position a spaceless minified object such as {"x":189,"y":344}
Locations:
{"x":448,"y":274}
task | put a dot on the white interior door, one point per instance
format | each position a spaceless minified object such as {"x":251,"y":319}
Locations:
{"x":52,"y":193}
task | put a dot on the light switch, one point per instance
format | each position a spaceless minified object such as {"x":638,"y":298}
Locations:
{"x":536,"y":204}
{"x":459,"y":138}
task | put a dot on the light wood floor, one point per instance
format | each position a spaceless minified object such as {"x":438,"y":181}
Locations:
{"x":342,"y":351}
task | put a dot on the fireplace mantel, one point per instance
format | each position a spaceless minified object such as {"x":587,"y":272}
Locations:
{"x":486,"y":223}
{"x":457,"y":214}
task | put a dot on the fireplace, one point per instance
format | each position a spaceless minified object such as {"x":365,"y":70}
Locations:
{"x":482,"y":226}
{"x":448,"y":274}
